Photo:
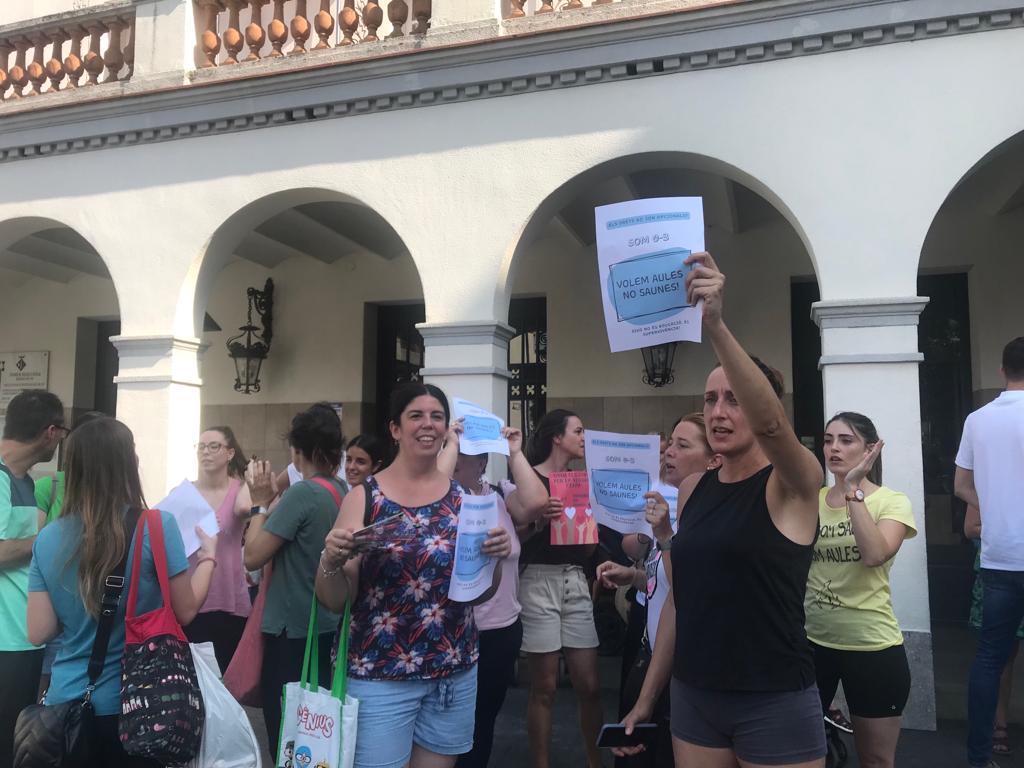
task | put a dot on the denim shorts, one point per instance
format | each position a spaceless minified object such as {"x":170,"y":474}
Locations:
{"x":394,"y":714}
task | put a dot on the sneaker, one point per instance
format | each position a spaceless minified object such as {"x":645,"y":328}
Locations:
{"x":837,"y":719}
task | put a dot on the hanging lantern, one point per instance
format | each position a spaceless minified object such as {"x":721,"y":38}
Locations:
{"x":658,"y":364}
{"x":252,"y":345}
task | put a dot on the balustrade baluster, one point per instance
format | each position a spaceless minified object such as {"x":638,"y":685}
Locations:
{"x":421,"y":11}
{"x":398,"y":14}
{"x":324,"y":24}
{"x":545,"y":7}
{"x":73,"y":63}
{"x":5,"y":57}
{"x":113,"y":59}
{"x":209,"y":41}
{"x":129,"y":51}
{"x":255,"y":37}
{"x":232,"y":37}
{"x":348,"y":18}
{"x":277,"y":31}
{"x":573,"y":5}
{"x":36,"y":70}
{"x":300,"y":27}
{"x":601,"y":2}
{"x":19,"y":77}
{"x":373,"y":16}
{"x":517,"y":11}
{"x":55,"y":66}
{"x":93,"y":60}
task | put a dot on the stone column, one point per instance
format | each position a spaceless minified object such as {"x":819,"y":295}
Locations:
{"x":158,"y":398}
{"x":165,"y":38}
{"x":470,"y":360}
{"x":869,"y":364}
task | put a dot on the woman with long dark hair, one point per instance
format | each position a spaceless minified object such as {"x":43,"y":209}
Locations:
{"x":221,"y":482}
{"x":850,"y":620}
{"x":365,"y":455}
{"x":72,"y":558}
{"x":557,"y":610}
{"x":412,"y":658}
{"x":292,"y":536}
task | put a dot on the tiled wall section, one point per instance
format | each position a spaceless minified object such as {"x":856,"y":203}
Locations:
{"x":637,"y":415}
{"x":260,"y":428}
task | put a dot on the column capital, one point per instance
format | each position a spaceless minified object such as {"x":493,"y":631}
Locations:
{"x":465,"y":332}
{"x":158,"y":359}
{"x":868,"y":313}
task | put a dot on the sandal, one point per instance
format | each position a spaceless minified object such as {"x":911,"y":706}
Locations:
{"x":1001,"y":741}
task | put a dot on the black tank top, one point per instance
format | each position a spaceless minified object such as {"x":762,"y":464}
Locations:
{"x":739,"y":592}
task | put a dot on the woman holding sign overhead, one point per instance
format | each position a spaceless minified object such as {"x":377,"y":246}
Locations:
{"x":743,"y":682}
{"x":558,"y":614}
{"x":501,"y":631}
{"x":412,"y":657}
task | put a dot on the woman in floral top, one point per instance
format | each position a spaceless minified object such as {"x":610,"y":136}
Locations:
{"x":412,"y":651}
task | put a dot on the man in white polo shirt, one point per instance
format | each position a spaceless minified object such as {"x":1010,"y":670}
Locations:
{"x":990,"y":475}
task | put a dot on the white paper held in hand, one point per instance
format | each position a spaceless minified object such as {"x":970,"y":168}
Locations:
{"x":473,"y":571}
{"x":188,"y":508}
{"x":481,"y":429}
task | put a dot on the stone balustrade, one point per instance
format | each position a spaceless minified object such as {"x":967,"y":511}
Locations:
{"x":77,"y":50}
{"x":520,"y":8}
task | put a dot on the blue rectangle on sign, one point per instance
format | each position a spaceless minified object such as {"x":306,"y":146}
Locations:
{"x":650,"y":284}
{"x":620,"y":489}
{"x":481,"y":428}
{"x":470,"y":559}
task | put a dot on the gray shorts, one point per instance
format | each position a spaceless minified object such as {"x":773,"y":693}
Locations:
{"x":766,"y":728}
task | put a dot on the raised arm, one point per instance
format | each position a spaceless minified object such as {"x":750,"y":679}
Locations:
{"x":879,"y":541}
{"x":530,"y":498}
{"x":449,"y":455}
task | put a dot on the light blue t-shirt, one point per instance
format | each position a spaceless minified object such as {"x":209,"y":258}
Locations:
{"x":55,"y":571}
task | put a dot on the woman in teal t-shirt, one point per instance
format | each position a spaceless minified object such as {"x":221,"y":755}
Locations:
{"x":72,"y":558}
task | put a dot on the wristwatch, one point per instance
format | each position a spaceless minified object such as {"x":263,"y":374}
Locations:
{"x":855,"y":495}
{"x":253,"y":511}
{"x":664,"y":546}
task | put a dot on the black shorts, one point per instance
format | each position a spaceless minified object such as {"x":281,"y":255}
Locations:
{"x":876,"y":683}
{"x":767,"y":728}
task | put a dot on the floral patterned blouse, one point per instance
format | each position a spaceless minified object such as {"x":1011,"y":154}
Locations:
{"x":404,"y":627}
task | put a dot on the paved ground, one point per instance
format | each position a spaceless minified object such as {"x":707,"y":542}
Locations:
{"x":917,"y":749}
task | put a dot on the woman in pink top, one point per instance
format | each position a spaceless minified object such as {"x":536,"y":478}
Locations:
{"x":221,"y":472}
{"x":501,"y":632}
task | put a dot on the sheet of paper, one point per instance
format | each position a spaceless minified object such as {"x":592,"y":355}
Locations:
{"x":482,"y":429}
{"x":641,"y":247}
{"x":188,"y":507}
{"x":622,"y":469}
{"x":577,"y":524}
{"x":473,"y":571}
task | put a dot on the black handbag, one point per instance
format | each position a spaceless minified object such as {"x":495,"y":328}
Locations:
{"x":63,"y":735}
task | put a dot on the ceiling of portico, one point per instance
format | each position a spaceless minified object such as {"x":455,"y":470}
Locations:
{"x":728,"y":205}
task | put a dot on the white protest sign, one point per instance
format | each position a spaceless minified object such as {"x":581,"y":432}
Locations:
{"x":641,"y":247}
{"x":473,"y":571}
{"x":481,"y":430}
{"x":622,"y":469}
{"x":188,"y":507}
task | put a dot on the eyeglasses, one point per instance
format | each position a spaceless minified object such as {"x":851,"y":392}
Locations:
{"x":64,"y":430}
{"x":211,"y":447}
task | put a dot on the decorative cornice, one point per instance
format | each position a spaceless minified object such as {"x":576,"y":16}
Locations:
{"x":868,"y":313}
{"x":518,"y":66}
{"x":465,"y":332}
{"x":469,"y":370}
{"x":867,"y":357}
{"x":156,"y":345}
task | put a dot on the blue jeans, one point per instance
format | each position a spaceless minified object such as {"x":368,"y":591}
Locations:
{"x":1002,"y":612}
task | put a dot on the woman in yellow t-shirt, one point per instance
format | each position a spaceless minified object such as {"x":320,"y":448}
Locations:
{"x":850,"y":621}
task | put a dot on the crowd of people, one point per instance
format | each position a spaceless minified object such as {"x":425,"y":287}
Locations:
{"x":762,"y":589}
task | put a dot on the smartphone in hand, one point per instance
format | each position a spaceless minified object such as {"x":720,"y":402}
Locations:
{"x":614,"y":735}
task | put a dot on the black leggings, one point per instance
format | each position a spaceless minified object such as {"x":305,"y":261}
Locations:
{"x":282,"y":664}
{"x":222,"y":629}
{"x":876,"y":683}
{"x":499,"y":649}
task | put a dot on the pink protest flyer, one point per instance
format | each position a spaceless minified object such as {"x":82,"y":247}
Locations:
{"x":576,"y":524}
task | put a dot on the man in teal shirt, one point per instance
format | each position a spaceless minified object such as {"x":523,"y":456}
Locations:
{"x":33,"y":429}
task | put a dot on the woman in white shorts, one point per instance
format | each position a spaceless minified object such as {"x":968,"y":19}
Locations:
{"x":557,"y":611}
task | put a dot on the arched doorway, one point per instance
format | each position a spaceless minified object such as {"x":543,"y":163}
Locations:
{"x":346,"y":299}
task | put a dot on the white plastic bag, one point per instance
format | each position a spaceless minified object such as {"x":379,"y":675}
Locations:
{"x":228,"y":738}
